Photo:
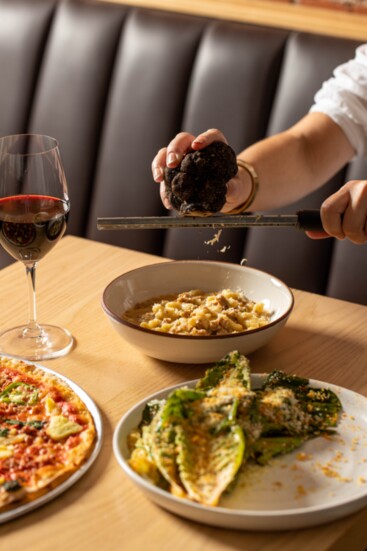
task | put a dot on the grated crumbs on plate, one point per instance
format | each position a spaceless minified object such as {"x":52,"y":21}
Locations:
{"x":302,"y":456}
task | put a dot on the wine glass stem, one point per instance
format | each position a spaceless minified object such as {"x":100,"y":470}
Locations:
{"x":32,"y":329}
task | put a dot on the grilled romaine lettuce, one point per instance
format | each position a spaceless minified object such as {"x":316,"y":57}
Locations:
{"x":194,"y":442}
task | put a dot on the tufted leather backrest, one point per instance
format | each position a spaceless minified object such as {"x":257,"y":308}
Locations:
{"x":114,"y":84}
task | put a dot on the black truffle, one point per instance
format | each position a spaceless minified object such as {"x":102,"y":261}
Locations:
{"x":199,"y":183}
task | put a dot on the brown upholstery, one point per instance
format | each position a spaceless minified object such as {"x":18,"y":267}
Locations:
{"x":114,"y":84}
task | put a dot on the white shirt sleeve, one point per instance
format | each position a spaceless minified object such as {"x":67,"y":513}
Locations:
{"x":344,"y":99}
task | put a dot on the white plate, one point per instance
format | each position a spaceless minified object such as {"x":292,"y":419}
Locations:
{"x":324,"y":480}
{"x":19,"y":510}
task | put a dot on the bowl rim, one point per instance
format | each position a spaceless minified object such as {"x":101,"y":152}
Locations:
{"x":195,"y":338}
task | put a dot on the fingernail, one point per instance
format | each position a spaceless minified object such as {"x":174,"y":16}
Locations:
{"x":167,"y":204}
{"x":172,"y":158}
{"x":157,"y":173}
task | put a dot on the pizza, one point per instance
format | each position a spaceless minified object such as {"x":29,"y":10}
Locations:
{"x":46,"y":432}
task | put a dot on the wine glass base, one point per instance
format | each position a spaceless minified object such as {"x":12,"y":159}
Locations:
{"x":54,"y":342}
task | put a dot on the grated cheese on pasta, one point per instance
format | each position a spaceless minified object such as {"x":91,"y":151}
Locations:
{"x":200,"y":313}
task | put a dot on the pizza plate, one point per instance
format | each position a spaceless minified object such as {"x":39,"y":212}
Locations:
{"x":322,"y":481}
{"x":17,"y":511}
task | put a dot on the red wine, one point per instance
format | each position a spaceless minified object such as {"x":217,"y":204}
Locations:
{"x":31,"y":225}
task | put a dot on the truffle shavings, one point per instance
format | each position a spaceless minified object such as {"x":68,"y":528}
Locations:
{"x":215,"y":238}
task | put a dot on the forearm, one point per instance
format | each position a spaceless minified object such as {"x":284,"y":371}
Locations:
{"x":294,"y":163}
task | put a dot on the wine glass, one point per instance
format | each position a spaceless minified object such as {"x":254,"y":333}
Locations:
{"x":34,"y":207}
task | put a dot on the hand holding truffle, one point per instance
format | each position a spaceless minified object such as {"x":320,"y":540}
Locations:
{"x":199,"y":175}
{"x":198,"y":184}
{"x":195,"y":181}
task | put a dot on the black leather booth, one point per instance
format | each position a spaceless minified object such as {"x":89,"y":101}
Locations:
{"x":115,"y":83}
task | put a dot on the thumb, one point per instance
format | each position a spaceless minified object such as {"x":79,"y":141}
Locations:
{"x":317,"y":234}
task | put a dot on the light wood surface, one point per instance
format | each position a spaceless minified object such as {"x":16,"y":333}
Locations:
{"x":324,"y":339}
{"x":269,"y":13}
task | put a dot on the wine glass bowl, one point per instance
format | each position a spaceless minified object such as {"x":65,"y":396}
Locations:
{"x":34,"y":208}
{"x":31,"y":226}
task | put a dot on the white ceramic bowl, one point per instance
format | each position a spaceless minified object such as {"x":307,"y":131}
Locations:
{"x":155,"y":280}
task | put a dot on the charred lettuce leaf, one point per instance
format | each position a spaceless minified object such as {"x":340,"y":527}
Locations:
{"x":229,"y":374}
{"x":163,"y":432}
{"x":209,"y":463}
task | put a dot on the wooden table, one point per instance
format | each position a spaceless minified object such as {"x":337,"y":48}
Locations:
{"x":324,"y":339}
